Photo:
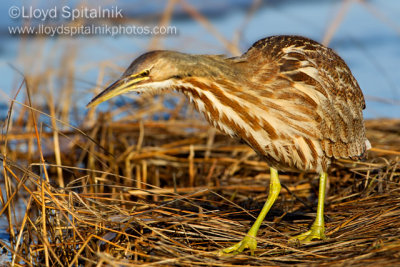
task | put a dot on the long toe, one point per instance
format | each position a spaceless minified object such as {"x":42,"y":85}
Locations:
{"x":248,"y":242}
{"x":316,"y":232}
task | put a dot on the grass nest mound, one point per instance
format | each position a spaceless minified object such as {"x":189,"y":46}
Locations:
{"x":150,"y":185}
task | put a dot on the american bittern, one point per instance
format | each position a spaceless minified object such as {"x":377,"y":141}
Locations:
{"x":291,"y":99}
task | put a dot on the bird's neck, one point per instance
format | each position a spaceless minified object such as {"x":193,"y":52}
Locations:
{"x":233,"y":109}
{"x":205,"y":97}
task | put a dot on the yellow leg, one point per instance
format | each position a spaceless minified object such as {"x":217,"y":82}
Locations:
{"x":317,"y":230}
{"x":249,"y":241}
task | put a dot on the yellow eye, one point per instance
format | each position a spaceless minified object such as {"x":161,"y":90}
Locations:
{"x":145,"y":73}
{"x":141,"y":74}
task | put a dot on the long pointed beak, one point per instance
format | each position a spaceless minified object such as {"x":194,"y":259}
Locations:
{"x":119,"y":87}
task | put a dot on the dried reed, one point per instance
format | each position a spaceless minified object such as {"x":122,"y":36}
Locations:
{"x":158,"y":186}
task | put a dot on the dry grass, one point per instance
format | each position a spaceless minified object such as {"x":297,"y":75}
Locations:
{"x":144,"y":184}
{"x":172,"y":192}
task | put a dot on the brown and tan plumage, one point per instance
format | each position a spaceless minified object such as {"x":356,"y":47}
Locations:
{"x":314,"y":98}
{"x":293,"y":100}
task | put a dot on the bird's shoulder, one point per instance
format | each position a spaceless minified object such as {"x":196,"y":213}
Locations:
{"x":310,"y":80}
{"x":302,"y":60}
{"x":273,"y":45}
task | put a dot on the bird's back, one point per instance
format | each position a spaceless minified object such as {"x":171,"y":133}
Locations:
{"x":313,"y":95}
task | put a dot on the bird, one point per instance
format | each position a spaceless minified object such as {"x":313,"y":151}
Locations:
{"x":290,"y":98}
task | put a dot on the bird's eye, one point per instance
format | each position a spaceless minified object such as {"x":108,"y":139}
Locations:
{"x":145,"y":73}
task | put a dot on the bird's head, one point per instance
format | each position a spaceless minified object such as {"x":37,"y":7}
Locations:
{"x":156,"y":71}
{"x":144,"y":74}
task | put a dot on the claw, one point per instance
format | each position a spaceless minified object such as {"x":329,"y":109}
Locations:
{"x":248,"y":241}
{"x":316,"y":232}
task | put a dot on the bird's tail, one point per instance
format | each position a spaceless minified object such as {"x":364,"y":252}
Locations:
{"x":367,"y":145}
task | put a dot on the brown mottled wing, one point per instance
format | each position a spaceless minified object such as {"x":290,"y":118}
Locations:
{"x":327,"y":95}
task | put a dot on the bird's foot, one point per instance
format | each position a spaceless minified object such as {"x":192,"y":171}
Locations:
{"x":248,"y":241}
{"x":315,"y":232}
